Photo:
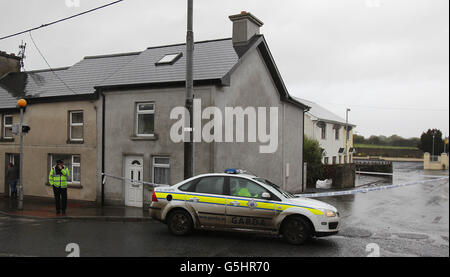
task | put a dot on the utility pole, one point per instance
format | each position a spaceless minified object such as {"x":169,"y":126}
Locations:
{"x":189,"y":128}
{"x":22,"y":103}
{"x":346,"y":136}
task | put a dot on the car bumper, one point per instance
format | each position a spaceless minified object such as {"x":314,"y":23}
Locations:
{"x":327,"y":225}
{"x":155,"y":213}
{"x":325,"y":234}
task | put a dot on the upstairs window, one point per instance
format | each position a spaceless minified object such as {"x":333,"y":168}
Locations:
{"x":7,"y":127}
{"x":169,"y":59}
{"x":76,"y":126}
{"x":337,"y":130}
{"x":145,"y":119}
{"x":323,"y":132}
{"x":323,"y":129}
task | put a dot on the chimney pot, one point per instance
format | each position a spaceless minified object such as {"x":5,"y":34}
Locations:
{"x":245,"y":26}
{"x":8,"y":63}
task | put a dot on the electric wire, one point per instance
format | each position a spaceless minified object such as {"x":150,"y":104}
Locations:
{"x":60,"y":20}
{"x":51,"y":69}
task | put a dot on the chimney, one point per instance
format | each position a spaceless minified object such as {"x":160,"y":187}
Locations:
{"x":8,"y":63}
{"x":245,"y":26}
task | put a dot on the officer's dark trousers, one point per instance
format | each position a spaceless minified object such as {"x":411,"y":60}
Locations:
{"x":60,"y":199}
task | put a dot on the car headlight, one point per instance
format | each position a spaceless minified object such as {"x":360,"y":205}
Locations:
{"x":329,"y":213}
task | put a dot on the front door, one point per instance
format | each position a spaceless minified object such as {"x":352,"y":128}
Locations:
{"x":134,"y":190}
{"x":15,"y":160}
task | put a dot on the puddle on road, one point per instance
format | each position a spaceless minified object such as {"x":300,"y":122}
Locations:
{"x":354,"y":232}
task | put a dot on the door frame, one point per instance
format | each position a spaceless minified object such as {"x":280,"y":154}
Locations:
{"x":126,"y":160}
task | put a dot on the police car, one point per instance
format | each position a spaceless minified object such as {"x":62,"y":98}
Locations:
{"x":235,"y":200}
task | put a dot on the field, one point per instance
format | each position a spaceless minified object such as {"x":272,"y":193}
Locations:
{"x":372,"y":146}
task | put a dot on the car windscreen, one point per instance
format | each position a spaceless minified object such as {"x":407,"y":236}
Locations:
{"x":280,"y":190}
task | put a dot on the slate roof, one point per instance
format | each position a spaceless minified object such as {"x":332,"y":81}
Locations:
{"x":214,"y":60}
{"x":323,"y":114}
{"x":23,"y":85}
{"x":79,"y":79}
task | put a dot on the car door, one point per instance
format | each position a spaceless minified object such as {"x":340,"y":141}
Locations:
{"x":248,"y":211}
{"x":207,"y":198}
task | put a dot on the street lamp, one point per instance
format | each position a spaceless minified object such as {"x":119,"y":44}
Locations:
{"x":432,"y":151}
{"x":22,"y":103}
{"x":346,"y":136}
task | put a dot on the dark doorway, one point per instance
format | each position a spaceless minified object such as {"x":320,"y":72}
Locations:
{"x":10,"y":158}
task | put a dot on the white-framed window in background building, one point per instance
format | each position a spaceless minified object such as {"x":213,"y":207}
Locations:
{"x":145,"y":119}
{"x":7,"y":127}
{"x":161,"y":170}
{"x":76,"y":125}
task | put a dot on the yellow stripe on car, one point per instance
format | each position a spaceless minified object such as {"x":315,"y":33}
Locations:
{"x":285,"y":207}
{"x":207,"y":199}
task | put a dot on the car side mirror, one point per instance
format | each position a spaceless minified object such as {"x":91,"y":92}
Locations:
{"x":266,"y":195}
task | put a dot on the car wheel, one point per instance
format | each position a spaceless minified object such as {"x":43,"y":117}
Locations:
{"x":180,"y":223}
{"x":296,"y":231}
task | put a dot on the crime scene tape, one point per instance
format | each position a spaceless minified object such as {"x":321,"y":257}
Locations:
{"x":104,"y":177}
{"x":364,"y":190}
{"x":392,"y":174}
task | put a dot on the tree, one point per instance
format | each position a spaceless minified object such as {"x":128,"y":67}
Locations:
{"x":426,"y":142}
{"x":357,"y":139}
{"x":313,"y":155}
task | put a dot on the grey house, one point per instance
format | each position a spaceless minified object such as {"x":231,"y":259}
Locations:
{"x":138,"y":99}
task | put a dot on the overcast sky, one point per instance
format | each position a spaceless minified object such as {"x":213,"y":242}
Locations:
{"x":387,"y":60}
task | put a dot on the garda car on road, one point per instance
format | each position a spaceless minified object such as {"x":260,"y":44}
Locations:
{"x":235,"y":200}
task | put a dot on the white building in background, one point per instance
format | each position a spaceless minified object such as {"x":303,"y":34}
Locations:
{"x":329,"y":129}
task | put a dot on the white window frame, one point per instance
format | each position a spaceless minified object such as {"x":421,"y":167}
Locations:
{"x":337,"y":134}
{"x":156,"y":165}
{"x":73,"y":164}
{"x":323,"y":132}
{"x":139,"y":112}
{"x":71,"y":124}
{"x":7,"y":126}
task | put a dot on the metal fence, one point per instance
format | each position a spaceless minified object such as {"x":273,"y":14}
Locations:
{"x":372,"y":162}
{"x":434,"y":158}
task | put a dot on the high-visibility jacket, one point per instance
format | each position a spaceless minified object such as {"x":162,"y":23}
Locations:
{"x":59,"y":181}
{"x":244,"y":192}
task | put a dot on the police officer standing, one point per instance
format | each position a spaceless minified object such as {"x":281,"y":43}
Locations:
{"x":58,"y":179}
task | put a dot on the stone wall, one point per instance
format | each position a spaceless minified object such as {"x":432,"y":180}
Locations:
{"x":343,"y":175}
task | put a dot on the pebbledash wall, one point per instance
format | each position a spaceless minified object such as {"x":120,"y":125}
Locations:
{"x":251,"y":86}
{"x":50,"y":135}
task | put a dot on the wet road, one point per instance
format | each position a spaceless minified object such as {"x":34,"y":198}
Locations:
{"x":406,"y":221}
